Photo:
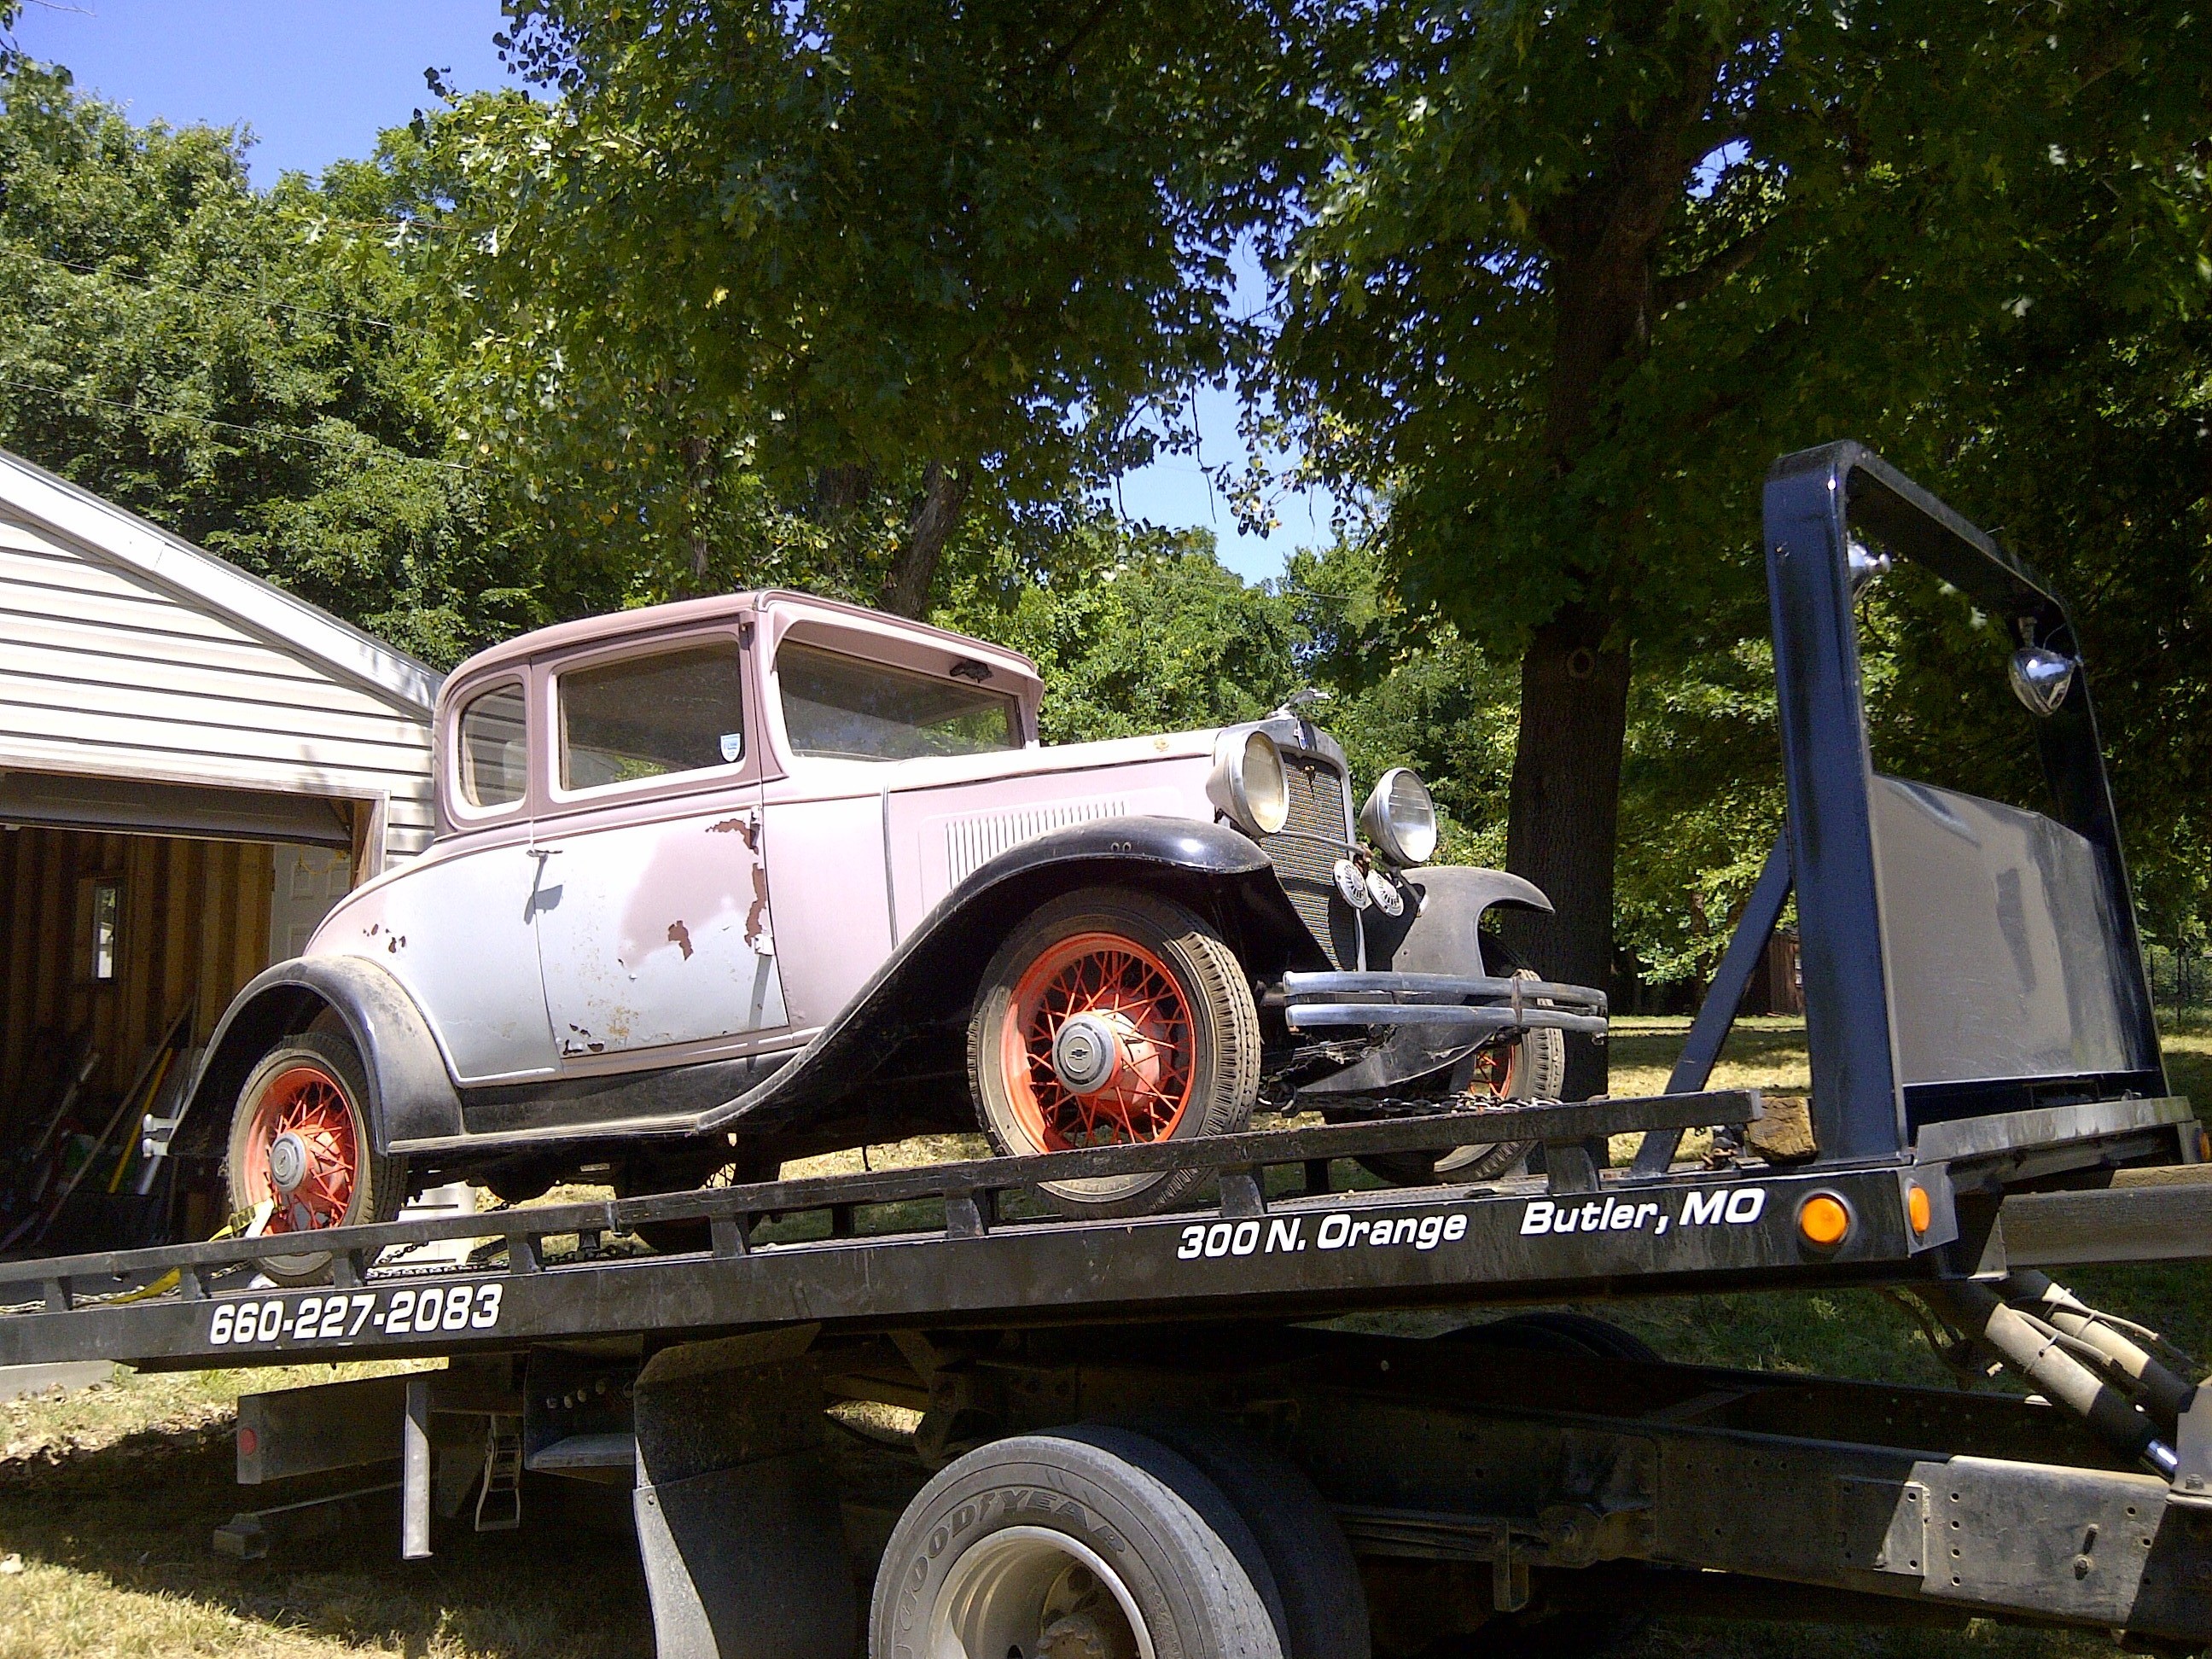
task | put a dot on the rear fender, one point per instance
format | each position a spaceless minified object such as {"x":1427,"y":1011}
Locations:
{"x":908,"y":1023}
{"x":411,"y":1095}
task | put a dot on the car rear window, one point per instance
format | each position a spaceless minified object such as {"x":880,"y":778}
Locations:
{"x":847,"y":709}
{"x":493,"y":761}
{"x":645,"y":717}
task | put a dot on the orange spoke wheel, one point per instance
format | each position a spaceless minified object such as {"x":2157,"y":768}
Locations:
{"x":1492,"y":1075}
{"x":301,"y":1151}
{"x":1122,"y":1004}
{"x":299,"y":1143}
{"x":1111,"y":1017}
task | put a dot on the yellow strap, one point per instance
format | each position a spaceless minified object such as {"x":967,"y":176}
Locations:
{"x":169,"y":1280}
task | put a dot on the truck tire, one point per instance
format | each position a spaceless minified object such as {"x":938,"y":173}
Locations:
{"x":1323,"y":1612}
{"x":1532,"y":1066}
{"x":1177,"y":1040}
{"x":1059,"y":1547}
{"x":302,"y":1118}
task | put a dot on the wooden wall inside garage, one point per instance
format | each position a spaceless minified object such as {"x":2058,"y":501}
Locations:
{"x":194,"y":923}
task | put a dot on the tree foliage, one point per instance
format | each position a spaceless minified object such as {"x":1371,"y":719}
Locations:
{"x":1581,"y":271}
{"x":903,"y":268}
{"x":196,"y":350}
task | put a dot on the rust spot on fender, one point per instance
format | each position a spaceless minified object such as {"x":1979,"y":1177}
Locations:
{"x":393,"y":944}
{"x":734,"y":827}
{"x":680,"y":937}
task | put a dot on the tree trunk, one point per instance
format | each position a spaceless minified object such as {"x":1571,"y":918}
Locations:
{"x":1563,"y":817}
{"x":699,"y":458}
{"x":944,"y":494}
{"x":1565,"y":807}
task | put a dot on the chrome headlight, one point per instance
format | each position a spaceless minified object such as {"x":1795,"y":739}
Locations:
{"x":1401,"y":818}
{"x":1247,"y":782}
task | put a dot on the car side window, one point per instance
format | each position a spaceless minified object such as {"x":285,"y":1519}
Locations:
{"x":843,"y":707}
{"x":493,"y":754}
{"x":645,"y":717}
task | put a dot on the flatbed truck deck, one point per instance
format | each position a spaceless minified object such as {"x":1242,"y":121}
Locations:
{"x":1156,"y":1435}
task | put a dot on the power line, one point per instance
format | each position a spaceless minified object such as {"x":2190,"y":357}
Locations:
{"x":201,"y":288}
{"x":292,"y":433}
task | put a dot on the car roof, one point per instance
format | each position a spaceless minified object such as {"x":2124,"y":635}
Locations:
{"x":616,"y":625}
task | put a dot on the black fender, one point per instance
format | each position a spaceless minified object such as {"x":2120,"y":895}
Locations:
{"x":411,"y":1095}
{"x":908,"y":1023}
{"x":1441,"y":933}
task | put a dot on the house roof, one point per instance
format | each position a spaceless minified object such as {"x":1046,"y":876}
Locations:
{"x":102,"y":530}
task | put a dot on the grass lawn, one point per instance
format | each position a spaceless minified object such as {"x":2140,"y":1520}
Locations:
{"x":107,"y":1498}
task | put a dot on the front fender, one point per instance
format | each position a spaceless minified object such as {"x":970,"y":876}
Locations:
{"x":908,"y":1024}
{"x":411,"y":1095}
{"x":1441,"y":934}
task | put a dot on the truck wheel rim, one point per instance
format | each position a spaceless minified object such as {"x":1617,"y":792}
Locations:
{"x":1030,"y":1590}
{"x":307,"y":1103}
{"x":1129,"y":990}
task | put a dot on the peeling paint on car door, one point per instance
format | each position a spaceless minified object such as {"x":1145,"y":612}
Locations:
{"x":660,"y":932}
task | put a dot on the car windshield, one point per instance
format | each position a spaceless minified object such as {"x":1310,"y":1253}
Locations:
{"x":846,"y":708}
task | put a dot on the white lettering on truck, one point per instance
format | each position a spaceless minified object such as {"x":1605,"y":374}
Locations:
{"x":1735,"y":1206}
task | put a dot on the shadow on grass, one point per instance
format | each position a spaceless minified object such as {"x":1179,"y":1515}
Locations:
{"x":135,"y":1517}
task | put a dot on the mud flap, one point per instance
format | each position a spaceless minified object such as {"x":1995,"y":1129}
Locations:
{"x":738,"y":1514}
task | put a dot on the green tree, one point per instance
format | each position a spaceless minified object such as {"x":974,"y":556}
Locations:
{"x":1407,"y":689}
{"x":1581,"y":271}
{"x":1142,"y":631}
{"x":899,"y":269}
{"x":194,"y":350}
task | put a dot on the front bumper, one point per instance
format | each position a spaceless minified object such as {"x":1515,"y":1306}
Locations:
{"x":1478,"y":1005}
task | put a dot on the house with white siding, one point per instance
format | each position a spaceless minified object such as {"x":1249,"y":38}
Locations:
{"x":194,"y":765}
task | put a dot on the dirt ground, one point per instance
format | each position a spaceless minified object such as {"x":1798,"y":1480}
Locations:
{"x":109,"y":1498}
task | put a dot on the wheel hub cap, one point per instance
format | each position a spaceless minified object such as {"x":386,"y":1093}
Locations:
{"x":289,"y":1163}
{"x":1086,"y":1054}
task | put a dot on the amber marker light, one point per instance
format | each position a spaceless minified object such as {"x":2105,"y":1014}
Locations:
{"x":1917,"y":1210}
{"x":1825,"y":1221}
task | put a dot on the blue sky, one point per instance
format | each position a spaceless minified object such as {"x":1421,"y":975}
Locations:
{"x":316,"y":80}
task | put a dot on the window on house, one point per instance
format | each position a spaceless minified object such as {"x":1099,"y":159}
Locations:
{"x":100,"y":929}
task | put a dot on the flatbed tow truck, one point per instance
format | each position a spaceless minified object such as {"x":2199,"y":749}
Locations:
{"x":1140,"y":1436}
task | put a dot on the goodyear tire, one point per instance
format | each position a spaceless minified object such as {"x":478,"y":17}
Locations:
{"x":1177,"y":1040}
{"x":1078,"y":1541}
{"x":1322,"y":1611}
{"x":310,"y":1091}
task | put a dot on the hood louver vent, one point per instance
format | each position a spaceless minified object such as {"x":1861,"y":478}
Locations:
{"x":971,"y":844}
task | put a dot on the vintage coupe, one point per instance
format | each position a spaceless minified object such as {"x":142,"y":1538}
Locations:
{"x":726,"y":882}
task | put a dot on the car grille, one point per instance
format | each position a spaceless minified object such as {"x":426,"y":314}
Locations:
{"x":1304,"y":852}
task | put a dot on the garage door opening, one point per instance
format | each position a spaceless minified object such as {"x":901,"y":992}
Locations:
{"x":118,"y":953}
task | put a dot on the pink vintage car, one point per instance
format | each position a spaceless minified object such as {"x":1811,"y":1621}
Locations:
{"x":735,"y":880}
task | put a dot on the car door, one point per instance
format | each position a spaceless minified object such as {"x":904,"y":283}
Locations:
{"x":456,"y":926}
{"x":651,"y":912}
